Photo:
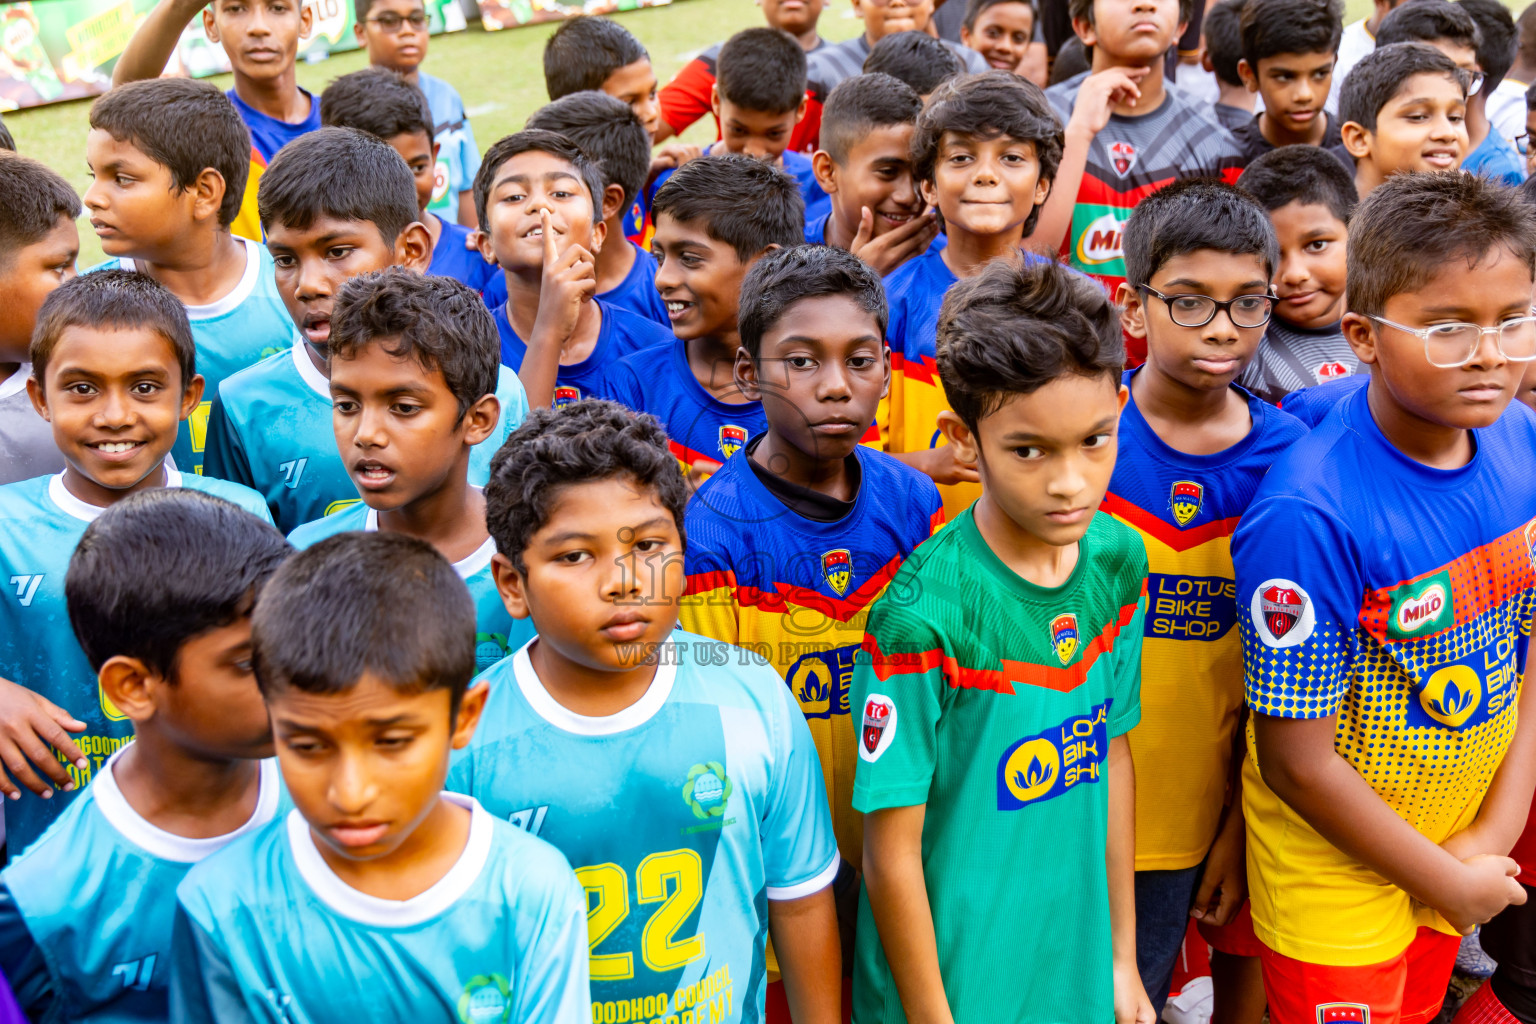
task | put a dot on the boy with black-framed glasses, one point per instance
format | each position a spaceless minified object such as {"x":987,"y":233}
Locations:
{"x":1199,"y":259}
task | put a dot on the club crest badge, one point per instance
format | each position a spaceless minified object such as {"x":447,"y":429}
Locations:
{"x":1343,"y":1013}
{"x":1122,"y":156}
{"x":1282,"y":613}
{"x":565,"y":395}
{"x":879,"y":728}
{"x":837,"y":568}
{"x":1331,"y":370}
{"x":1064,"y":636}
{"x":732,"y":438}
{"x":1186,"y":499}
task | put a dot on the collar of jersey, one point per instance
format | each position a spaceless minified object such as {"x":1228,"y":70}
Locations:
{"x":16,"y":382}
{"x":382,"y":913}
{"x":157,"y":841}
{"x":561,"y":717}
{"x":85,"y":510}
{"x":465,"y":567}
{"x":306,"y":368}
{"x":231,"y":300}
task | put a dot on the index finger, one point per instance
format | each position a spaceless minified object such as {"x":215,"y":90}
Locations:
{"x":550,"y":252}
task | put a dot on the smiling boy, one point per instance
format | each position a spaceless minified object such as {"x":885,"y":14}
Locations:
{"x":1404,"y":108}
{"x":1289,"y":47}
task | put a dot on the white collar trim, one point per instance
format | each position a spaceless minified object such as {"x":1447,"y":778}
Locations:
{"x":84,"y":510}
{"x":465,"y":567}
{"x":16,"y":382}
{"x":231,"y":299}
{"x":561,"y":717}
{"x":156,"y":841}
{"x":306,"y":367}
{"x":373,"y":910}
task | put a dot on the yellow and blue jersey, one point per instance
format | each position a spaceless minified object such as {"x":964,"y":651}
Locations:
{"x":620,"y":333}
{"x":1185,"y":507}
{"x":496,"y":631}
{"x":266,"y":931}
{"x":798,"y":591}
{"x":40,"y":524}
{"x":698,"y":425}
{"x":270,"y":429}
{"x":683,"y":814}
{"x":1398,"y":598}
{"x":268,"y":135}
{"x":85,"y":922}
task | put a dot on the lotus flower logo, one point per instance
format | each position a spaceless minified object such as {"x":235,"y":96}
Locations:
{"x":1452,"y":695}
{"x":1032,"y":769}
{"x":1036,"y":774}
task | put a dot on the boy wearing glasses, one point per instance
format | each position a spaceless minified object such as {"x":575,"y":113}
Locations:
{"x":394,"y":32}
{"x":1199,"y":257}
{"x":1386,"y":583}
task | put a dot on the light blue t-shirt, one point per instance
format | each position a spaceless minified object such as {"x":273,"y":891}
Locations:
{"x":267,"y":933}
{"x":1495,"y":158}
{"x":458,"y":156}
{"x":496,"y":631}
{"x":241,"y":329}
{"x":85,"y":914}
{"x":270,"y":429}
{"x":40,"y":524}
{"x":683,"y":814}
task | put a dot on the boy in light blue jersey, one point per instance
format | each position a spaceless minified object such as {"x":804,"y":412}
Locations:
{"x":162,"y":201}
{"x":413,"y":371}
{"x":160,"y":591}
{"x":380,"y":897}
{"x":334,"y":191}
{"x":676,"y":772}
{"x":113,"y":372}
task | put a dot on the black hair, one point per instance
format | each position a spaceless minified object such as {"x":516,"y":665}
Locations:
{"x":154,"y":117}
{"x":1527,"y":188}
{"x":1301,"y":174}
{"x":436,"y":321}
{"x":113,"y":300}
{"x":585,"y":442}
{"x":381,"y":604}
{"x":859,"y":105}
{"x":1196,"y":214}
{"x":1084,"y":9}
{"x":163,"y":567}
{"x":341,"y":173}
{"x":1496,"y":51}
{"x":1018,"y":325}
{"x":986,"y":106}
{"x":608,"y":132}
{"x":1071,"y":60}
{"x":761,"y":70}
{"x":1412,"y":225}
{"x":916,"y":58}
{"x":6,"y":141}
{"x":974,"y":9}
{"x":34,"y":198}
{"x":1379,"y":76}
{"x":1223,"y":31}
{"x":784,"y":277}
{"x":536,"y":140}
{"x":584,"y":51}
{"x":1424,"y":21}
{"x":377,"y":101}
{"x":745,"y":203}
{"x":1272,"y":27}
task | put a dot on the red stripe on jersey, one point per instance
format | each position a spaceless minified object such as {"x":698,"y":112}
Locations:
{"x":1099,"y":192}
{"x":1163,"y":531}
{"x":923,"y":368}
{"x":704,"y":582}
{"x":777,"y":599}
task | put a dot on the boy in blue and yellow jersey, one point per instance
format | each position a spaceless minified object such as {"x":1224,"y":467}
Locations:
{"x":984,"y":154}
{"x":160,"y":591}
{"x":161,"y":202}
{"x":413,"y":379}
{"x":261,"y":40}
{"x":540,"y":204}
{"x":1193,"y":447}
{"x":789,"y":546}
{"x":994,"y":774}
{"x":714,"y":219}
{"x":613,"y":715}
{"x":1386,"y":584}
{"x":114,"y":373}
{"x":379,"y":896}
{"x":335,"y":204}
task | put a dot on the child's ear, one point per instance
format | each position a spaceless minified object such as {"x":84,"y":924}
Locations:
{"x":929,"y":193}
{"x":39,"y":398}
{"x":207,"y":193}
{"x":1250,"y":77}
{"x":361,"y":33}
{"x":1356,"y":139}
{"x":482,"y":240}
{"x":1133,"y":315}
{"x":714,"y":92}
{"x":511,"y":585}
{"x":599,"y":235}
{"x":1083,"y":27}
{"x":413,"y":247}
{"x":307,"y":21}
{"x":744,"y":372}
{"x":613,"y":201}
{"x":1358,"y":332}
{"x":192,"y":395}
{"x":126,"y":683}
{"x":885,"y":371}
{"x":437,"y":147}
{"x":480,"y":419}
{"x":211,"y":26}
{"x":1205,"y":62}
{"x":800,"y":110}
{"x":967,"y":448}
{"x":471,"y":706}
{"x":825,"y":169}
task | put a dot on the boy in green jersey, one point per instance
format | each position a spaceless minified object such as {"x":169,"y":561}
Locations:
{"x":997,"y":678}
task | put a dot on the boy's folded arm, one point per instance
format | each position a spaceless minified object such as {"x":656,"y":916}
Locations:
{"x":805,"y":941}
{"x":151,"y":47}
{"x":898,"y":899}
{"x":1502,"y":816}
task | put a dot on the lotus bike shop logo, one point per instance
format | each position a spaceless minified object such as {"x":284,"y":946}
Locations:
{"x":1064,"y":636}
{"x":1031,"y":769}
{"x":707,"y":790}
{"x":837,"y":569}
{"x":1186,"y":500}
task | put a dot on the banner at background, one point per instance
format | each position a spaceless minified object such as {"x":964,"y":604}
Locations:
{"x":55,"y":50}
{"x":498,"y":14}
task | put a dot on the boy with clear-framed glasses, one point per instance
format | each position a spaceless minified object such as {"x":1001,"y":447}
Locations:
{"x":1199,"y":259}
{"x":1386,"y":585}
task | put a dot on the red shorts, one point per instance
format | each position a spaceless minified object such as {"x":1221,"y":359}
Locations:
{"x":1235,"y":938}
{"x":1408,"y":989}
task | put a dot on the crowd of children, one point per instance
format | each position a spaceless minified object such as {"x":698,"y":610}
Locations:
{"x":933,"y":554}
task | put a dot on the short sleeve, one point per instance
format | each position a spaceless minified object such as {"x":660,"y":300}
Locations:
{"x":224,"y":455}
{"x":203,"y":985}
{"x":553,"y":981}
{"x":1126,"y":712}
{"x":685,"y":99}
{"x":22,"y":960}
{"x":1299,"y":586}
{"x":799,"y":850}
{"x":897,"y":693}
